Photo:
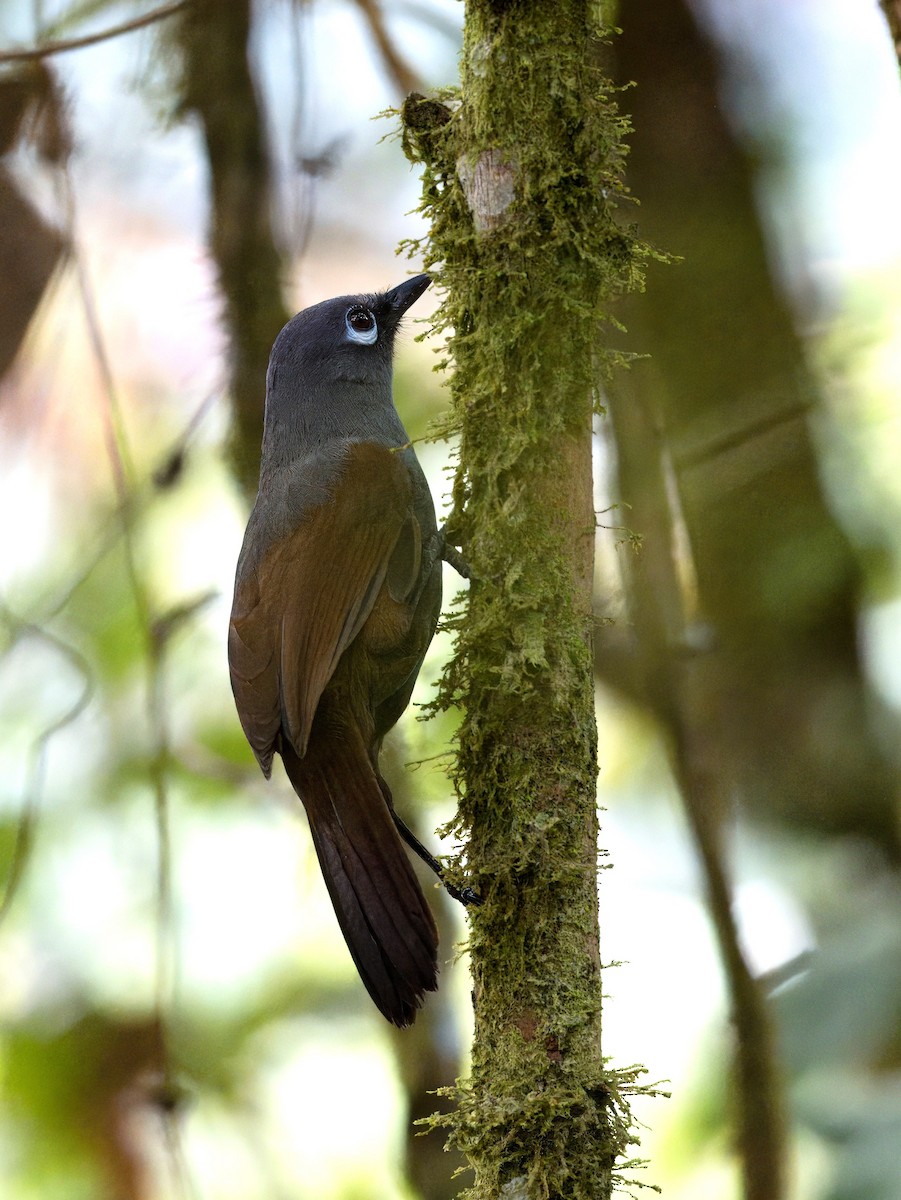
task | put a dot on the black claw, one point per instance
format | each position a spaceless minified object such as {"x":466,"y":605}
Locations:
{"x":466,"y":895}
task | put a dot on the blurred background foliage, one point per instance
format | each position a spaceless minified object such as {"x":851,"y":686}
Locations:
{"x":179,"y":1015}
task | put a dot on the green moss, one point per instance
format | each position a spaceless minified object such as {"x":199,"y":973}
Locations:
{"x":529,"y":265}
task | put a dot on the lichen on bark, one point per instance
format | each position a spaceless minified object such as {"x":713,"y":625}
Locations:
{"x":522,"y":171}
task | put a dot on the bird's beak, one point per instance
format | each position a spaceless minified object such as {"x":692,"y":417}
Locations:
{"x":407,"y":293}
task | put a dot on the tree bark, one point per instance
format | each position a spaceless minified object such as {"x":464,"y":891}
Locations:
{"x":519,"y":182}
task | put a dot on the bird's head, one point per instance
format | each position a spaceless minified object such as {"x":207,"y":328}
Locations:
{"x":346,"y":340}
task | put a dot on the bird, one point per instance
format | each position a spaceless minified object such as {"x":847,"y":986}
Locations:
{"x":336,"y":600}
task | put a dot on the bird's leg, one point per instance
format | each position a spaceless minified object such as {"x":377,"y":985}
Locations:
{"x":452,"y":555}
{"x":466,"y":895}
{"x":435,"y":550}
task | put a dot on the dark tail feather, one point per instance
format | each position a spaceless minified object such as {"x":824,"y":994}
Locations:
{"x":385,"y":919}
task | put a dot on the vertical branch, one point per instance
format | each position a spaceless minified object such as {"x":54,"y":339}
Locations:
{"x":218,"y":86}
{"x":760,"y":1116}
{"x":892,"y":11}
{"x":34,"y":786}
{"x":427,"y":1053}
{"x":153,"y":638}
{"x":675,"y":684}
{"x":525,"y":241}
{"x":777,"y":581}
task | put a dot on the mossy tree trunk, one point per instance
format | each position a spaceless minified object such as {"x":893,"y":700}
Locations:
{"x":519,"y":181}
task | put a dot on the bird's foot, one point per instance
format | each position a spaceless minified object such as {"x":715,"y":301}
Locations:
{"x":466,"y":895}
{"x":452,"y":555}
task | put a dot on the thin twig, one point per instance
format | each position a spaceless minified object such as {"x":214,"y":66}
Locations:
{"x":30,"y":53}
{"x":180,"y":1171}
{"x":760,"y":1115}
{"x":672,"y":684}
{"x":115,"y":521}
{"x":34,"y":787}
{"x":155,"y":639}
{"x":401,"y":73}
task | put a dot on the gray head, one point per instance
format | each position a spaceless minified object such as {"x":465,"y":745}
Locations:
{"x":328,"y":383}
{"x":348,"y":340}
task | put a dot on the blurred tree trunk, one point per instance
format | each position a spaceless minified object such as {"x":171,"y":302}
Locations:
{"x":217,"y":85}
{"x":788,"y":715}
{"x":31,"y":109}
{"x":524,"y":238}
{"x":892,"y":10}
{"x":428,"y":1053}
{"x":753,"y":665}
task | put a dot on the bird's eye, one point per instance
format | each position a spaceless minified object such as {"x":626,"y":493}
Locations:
{"x":361,"y":325}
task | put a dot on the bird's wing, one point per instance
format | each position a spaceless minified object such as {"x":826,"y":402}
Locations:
{"x":309,"y":594}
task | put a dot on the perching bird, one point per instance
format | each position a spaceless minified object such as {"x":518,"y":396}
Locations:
{"x":337,"y":595}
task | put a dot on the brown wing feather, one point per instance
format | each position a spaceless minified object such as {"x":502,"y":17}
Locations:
{"x":306,"y":598}
{"x":253,"y":667}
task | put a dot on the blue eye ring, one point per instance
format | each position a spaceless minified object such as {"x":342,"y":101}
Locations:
{"x":361,"y":325}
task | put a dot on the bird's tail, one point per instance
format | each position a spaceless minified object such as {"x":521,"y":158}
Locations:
{"x":385,"y":919}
